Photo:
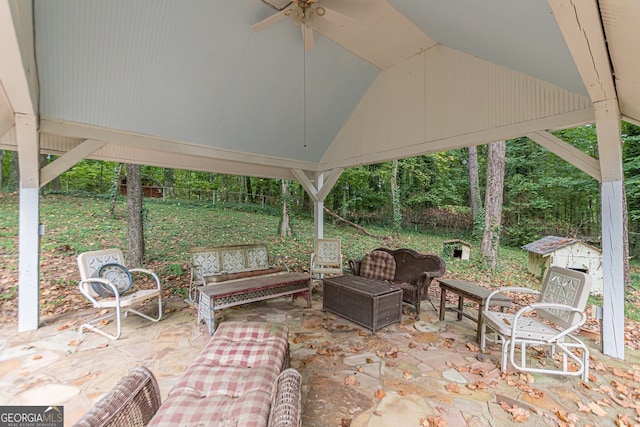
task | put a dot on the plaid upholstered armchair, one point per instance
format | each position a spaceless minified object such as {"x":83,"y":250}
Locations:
{"x":411,"y":270}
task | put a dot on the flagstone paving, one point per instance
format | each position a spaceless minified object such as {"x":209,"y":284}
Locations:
{"x":415,"y":373}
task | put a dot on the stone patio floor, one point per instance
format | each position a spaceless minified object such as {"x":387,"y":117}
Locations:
{"x":422,"y":372}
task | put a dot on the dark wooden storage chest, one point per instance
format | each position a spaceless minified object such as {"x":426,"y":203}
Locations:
{"x":371,"y":303}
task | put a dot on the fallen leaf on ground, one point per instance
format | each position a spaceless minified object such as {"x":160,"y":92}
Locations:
{"x":351,"y":380}
{"x":623,"y":421}
{"x":519,"y":414}
{"x":452,"y":387}
{"x":582,"y":407}
{"x":434,"y":421}
{"x":596,"y":409}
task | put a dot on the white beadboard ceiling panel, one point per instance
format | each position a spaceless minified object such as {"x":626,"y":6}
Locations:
{"x":451,"y":94}
{"x":519,"y":34}
{"x":620,"y":21}
{"x":194,"y":71}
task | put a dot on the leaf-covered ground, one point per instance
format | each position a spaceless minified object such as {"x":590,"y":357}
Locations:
{"x":77,"y":224}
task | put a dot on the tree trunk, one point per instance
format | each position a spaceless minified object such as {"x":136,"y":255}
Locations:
{"x":493,"y":203}
{"x":14,"y":173}
{"x":285,"y":229}
{"x":625,"y":237}
{"x":252,"y":196}
{"x":135,"y":235}
{"x":477,"y":212}
{"x":395,"y":198}
{"x":473,"y":179}
{"x":169,"y":182}
{"x":116,"y":189}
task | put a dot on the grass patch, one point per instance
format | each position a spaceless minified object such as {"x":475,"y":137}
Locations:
{"x":79,"y":224}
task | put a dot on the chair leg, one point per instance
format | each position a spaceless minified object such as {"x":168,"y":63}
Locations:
{"x":153,"y":319}
{"x":91,"y":325}
{"x":193,"y":294}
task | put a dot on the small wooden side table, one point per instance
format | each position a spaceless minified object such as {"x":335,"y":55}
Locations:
{"x":473,"y":292}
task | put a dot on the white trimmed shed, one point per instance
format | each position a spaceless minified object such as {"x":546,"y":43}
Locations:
{"x":568,"y":253}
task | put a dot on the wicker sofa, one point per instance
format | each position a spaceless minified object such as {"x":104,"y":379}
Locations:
{"x":241,"y":378}
{"x":411,"y":270}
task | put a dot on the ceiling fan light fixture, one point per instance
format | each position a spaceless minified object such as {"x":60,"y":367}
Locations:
{"x":297,"y":16}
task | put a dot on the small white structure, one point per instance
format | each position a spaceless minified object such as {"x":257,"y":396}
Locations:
{"x":568,"y":253}
{"x":457,"y":249}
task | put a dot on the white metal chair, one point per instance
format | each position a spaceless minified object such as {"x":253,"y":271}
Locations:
{"x":327,"y":258}
{"x":553,"y":321}
{"x":105,"y":282}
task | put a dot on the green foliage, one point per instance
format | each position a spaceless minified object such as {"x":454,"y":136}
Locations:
{"x":79,"y":224}
{"x":543,"y":193}
{"x":90,"y":176}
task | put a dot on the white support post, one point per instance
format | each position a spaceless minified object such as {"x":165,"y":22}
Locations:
{"x":318,"y":192}
{"x":29,"y":224}
{"x":318,"y":209}
{"x":613,"y":269}
{"x":612,"y":203}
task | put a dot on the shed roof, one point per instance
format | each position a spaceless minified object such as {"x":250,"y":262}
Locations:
{"x":550,"y":244}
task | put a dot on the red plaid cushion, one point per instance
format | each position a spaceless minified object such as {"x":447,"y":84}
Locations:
{"x":231,"y":381}
{"x":205,"y":381}
{"x":245,"y":353}
{"x":251,"y":331}
{"x":191,"y":409}
{"x":378,"y":265}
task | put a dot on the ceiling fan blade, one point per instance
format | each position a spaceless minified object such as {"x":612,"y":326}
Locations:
{"x":336,"y":17}
{"x":278,"y":4}
{"x":270,"y":21}
{"x":307,"y":36}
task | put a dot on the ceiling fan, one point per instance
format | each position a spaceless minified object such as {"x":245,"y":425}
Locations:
{"x":303,"y":13}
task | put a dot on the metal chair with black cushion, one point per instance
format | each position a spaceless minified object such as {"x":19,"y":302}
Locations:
{"x":108,"y":284}
{"x":551,"y":322}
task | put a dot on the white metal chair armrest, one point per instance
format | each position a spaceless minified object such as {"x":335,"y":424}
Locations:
{"x":514,"y":289}
{"x":148,"y":272}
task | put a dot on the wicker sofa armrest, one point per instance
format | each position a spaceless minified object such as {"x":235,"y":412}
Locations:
{"x":354,"y":265}
{"x":286,"y":400}
{"x":132,"y":402}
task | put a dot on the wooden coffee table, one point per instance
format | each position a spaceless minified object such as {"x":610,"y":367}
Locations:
{"x":371,"y":303}
{"x":473,"y":292}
